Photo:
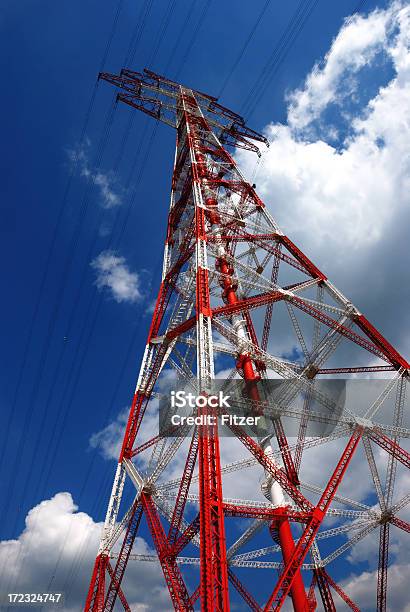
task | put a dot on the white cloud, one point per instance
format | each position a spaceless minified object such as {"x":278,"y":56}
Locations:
{"x":362,"y":589}
{"x":114,"y":274}
{"x":105,"y":182}
{"x":355,"y":46}
{"x":58,"y":547}
{"x":347,"y":206}
{"x":109,"y":439}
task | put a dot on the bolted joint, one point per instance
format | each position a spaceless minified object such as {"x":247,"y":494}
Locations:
{"x":149,"y":489}
{"x":366,"y":424}
{"x":127,"y":453}
{"x":317,"y":514}
{"x":386,"y":517}
{"x":311,"y":371}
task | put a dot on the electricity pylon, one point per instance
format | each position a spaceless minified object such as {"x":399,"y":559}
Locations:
{"x":227,"y":269}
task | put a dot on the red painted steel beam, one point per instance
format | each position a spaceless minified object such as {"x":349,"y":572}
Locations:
{"x":244,"y":593}
{"x":249,"y":324}
{"x":285,"y":452}
{"x":195,"y":595}
{"x":142,"y":447}
{"x":400,"y":523}
{"x":126,"y":547}
{"x":96,"y":591}
{"x":241,"y":237}
{"x":140,"y":400}
{"x":285,"y":535}
{"x":389,"y":445}
{"x":269,"y":310}
{"x":301,"y":257}
{"x":248,"y":511}
{"x":311,"y":595}
{"x":118,"y":588}
{"x":181,"y":329}
{"x":324,"y":590}
{"x":386,"y":348}
{"x":247,"y":304}
{"x":183,"y":490}
{"x":283,"y":256}
{"x":277,"y":472}
{"x":302,"y":431}
{"x":91,"y":595}
{"x":173,"y":578}
{"x":341,"y":329}
{"x":240,"y":306}
{"x":356,"y":370}
{"x":284,"y":583}
{"x":137,"y":411}
{"x":340,"y":592}
{"x":382,"y":568}
{"x":186,"y":536}
{"x":213,"y":562}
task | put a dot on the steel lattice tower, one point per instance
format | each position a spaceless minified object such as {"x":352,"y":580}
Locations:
{"x":227,"y":267}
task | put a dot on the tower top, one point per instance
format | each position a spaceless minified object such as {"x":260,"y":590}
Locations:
{"x":159,"y":97}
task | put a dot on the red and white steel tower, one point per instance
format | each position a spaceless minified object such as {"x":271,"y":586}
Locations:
{"x":227,"y":269}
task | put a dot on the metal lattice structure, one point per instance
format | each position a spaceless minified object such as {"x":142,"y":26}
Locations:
{"x":232,"y":282}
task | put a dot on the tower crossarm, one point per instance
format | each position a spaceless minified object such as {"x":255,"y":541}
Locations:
{"x":159,"y":97}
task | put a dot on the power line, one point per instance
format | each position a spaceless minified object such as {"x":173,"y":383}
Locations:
{"x":166,"y":21}
{"x":180,"y":35}
{"x":76,"y":368}
{"x":164,"y":26}
{"x":111,"y":34}
{"x":51,"y":328}
{"x":76,"y":301}
{"x":244,"y":47}
{"x":282,"y":49}
{"x":138,"y":31}
{"x":52,"y":246}
{"x":28,"y":417}
{"x":44,"y":278}
{"x":280,"y":52}
{"x":87,"y":259}
{"x":110,"y":409}
{"x":194,"y":36}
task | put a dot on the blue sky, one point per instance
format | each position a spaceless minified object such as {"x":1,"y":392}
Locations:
{"x":69,"y":361}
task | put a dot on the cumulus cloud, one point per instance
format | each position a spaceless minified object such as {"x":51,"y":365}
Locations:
{"x":109,"y":439}
{"x":56,"y":551}
{"x":355,"y":46}
{"x":114,"y":274}
{"x":362,"y":588}
{"x":346,"y":206}
{"x":105,"y":182}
